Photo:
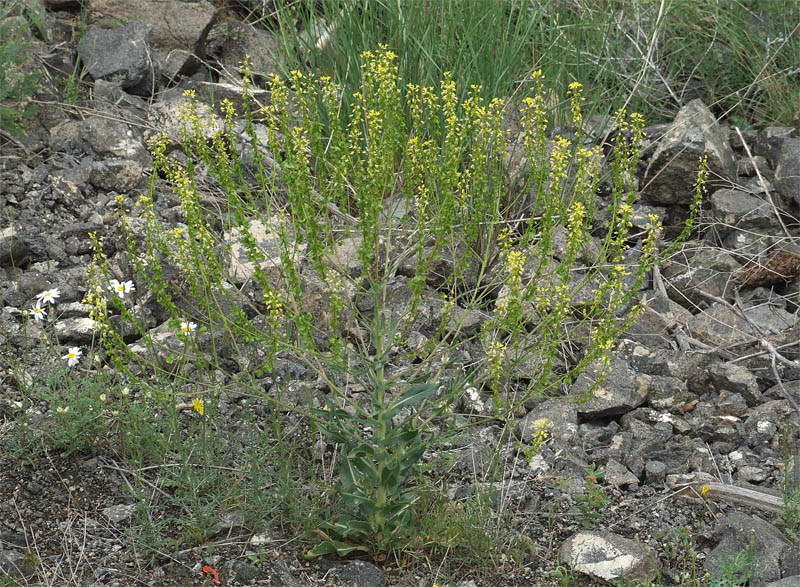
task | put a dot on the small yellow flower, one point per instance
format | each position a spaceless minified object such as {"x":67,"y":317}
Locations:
{"x":704,"y":491}
{"x":199,"y":406}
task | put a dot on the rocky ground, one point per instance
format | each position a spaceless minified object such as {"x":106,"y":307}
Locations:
{"x":701,"y":397}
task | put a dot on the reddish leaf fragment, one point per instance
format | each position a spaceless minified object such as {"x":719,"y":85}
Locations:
{"x":782,"y":267}
{"x":689,"y":406}
{"x":212,"y":574}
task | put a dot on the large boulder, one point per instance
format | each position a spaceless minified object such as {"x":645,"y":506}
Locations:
{"x":122,"y":55}
{"x":174,"y":25}
{"x":672,"y":170}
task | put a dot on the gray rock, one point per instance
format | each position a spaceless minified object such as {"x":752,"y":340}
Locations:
{"x":748,"y":244}
{"x":749,"y":167}
{"x":471,"y":402}
{"x":166,"y":116}
{"x":649,"y":428}
{"x":76,"y":330}
{"x":609,"y":557}
{"x":737,"y":379}
{"x":621,"y":390}
{"x":81,"y":230}
{"x":732,"y":209}
{"x":213,"y":94}
{"x":750,"y":474}
{"x":653,"y":328}
{"x":12,"y":563}
{"x":662,"y":362}
{"x":118,"y":175}
{"x":361,"y":574}
{"x":790,"y":560}
{"x":106,"y":137}
{"x":731,"y":404}
{"x":123,"y":56}
{"x":245,"y":573}
{"x":14,"y":251}
{"x":655,"y":472}
{"x":241,"y":269}
{"x":723,"y":327}
{"x":787,"y":170}
{"x":117,"y":514}
{"x":757,"y":186}
{"x":717,"y":428}
{"x":109,"y":97}
{"x":281,"y":575}
{"x":12,"y":538}
{"x":561,"y":418}
{"x":237,"y":41}
{"x":669,"y":393}
{"x":618,"y":475}
{"x":173,"y":25}
{"x":761,"y":427}
{"x":476,"y":459}
{"x":699,"y":271}
{"x":619,"y":447}
{"x":769,"y":142}
{"x":793,"y":581}
{"x":672,"y":170}
{"x":753,"y":539}
{"x":343,"y":256}
{"x":777,"y":390}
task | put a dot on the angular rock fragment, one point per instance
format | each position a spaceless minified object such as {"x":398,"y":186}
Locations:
{"x":609,"y":557}
{"x":672,"y":170}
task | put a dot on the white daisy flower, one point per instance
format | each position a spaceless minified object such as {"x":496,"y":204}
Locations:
{"x":48,"y":296}
{"x":188,"y":327}
{"x":73,"y":356}
{"x":38,"y":312}
{"x":121,"y":288}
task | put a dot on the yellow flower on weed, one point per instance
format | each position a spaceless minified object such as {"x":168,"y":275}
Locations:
{"x":199,"y":406}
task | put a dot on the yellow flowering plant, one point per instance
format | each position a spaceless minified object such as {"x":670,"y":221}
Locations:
{"x":418,"y":182}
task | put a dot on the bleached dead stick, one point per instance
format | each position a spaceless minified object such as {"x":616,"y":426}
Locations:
{"x":731,"y":493}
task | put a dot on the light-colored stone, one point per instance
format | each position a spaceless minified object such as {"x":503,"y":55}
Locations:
{"x":609,"y":557}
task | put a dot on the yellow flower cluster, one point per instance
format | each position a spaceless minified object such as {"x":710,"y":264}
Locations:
{"x":274,"y":304}
{"x":541,"y":432}
{"x":576,"y":99}
{"x":495,"y":357}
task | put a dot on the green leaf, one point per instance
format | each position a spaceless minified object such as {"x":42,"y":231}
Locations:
{"x":334,"y":547}
{"x":402,"y":437}
{"x":413,"y":395}
{"x":389,"y":477}
{"x":349,"y":526}
{"x":356,"y":471}
{"x":364,"y":463}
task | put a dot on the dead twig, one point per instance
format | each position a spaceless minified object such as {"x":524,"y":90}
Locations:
{"x":732,"y":494}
